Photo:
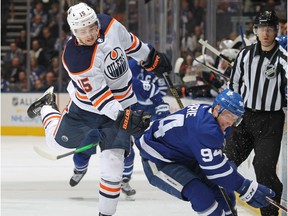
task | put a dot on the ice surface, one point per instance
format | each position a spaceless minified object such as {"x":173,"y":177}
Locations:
{"x":34,"y":186}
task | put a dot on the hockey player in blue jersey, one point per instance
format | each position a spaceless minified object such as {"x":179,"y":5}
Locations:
{"x":101,"y":94}
{"x":149,"y":90}
{"x":182,"y":155}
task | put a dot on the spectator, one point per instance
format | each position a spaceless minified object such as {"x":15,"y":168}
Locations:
{"x":198,"y":34}
{"x":54,"y":18}
{"x":36,"y":68}
{"x":199,"y":12}
{"x":39,"y":11}
{"x":38,"y":86}
{"x":36,"y":26}
{"x":50,"y":80}
{"x":12,"y":52}
{"x":11,"y":73}
{"x":21,"y":40}
{"x":22,"y":83}
{"x":37,"y":52}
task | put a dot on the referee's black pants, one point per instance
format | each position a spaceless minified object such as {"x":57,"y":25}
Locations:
{"x":261,"y":131}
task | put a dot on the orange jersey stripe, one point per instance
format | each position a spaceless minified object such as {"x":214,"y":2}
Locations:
{"x":51,"y":117}
{"x":134,"y":43}
{"x":109,"y":188}
{"x":119,"y":97}
{"x":103,"y":97}
{"x":83,"y":97}
{"x":109,"y":26}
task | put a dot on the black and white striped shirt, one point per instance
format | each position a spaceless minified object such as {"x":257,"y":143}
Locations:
{"x":260,"y":77}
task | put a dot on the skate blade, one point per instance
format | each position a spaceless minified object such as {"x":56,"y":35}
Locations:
{"x":130,"y":198}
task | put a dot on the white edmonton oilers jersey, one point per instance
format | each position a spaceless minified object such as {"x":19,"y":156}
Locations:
{"x":101,"y":78}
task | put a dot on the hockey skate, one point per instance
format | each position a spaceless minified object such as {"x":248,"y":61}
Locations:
{"x":103,"y":215}
{"x":76,"y":178}
{"x":48,"y":98}
{"x":127,"y":189}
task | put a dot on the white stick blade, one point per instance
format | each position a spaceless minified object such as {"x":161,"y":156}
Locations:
{"x":44,"y":154}
{"x":178,"y":64}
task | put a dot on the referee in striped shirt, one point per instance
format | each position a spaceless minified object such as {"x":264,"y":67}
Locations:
{"x":259,"y":76}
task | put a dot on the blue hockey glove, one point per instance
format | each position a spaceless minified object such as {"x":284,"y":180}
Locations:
{"x":157,"y":62}
{"x":255,"y":194}
{"x":162,"y":110}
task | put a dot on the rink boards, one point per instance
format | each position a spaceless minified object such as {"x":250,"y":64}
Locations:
{"x":14,"y":121}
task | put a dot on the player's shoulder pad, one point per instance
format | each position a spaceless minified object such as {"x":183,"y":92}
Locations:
{"x":104,"y":20}
{"x":77,"y":58}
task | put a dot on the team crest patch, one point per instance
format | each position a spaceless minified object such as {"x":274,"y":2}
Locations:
{"x":115,"y":63}
{"x":64,"y":138}
{"x":270,"y":72}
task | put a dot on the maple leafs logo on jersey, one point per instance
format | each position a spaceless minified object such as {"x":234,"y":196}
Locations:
{"x":115,"y":63}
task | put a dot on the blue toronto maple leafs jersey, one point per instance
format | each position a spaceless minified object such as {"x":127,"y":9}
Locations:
{"x":141,"y":74}
{"x":190,"y":135}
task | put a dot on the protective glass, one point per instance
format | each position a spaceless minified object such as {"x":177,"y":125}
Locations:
{"x":237,"y":122}
{"x":232,"y":118}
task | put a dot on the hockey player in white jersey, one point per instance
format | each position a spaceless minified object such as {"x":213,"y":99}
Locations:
{"x":182,"y":155}
{"x":101,"y":95}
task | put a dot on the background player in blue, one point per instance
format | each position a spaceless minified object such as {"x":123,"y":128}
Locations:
{"x":149,"y":90}
{"x":182,"y":155}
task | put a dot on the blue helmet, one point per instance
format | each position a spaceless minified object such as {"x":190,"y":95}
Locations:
{"x":231,"y":101}
{"x":282,"y":40}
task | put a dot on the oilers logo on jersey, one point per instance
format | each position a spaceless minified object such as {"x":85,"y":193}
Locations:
{"x":115,"y":63}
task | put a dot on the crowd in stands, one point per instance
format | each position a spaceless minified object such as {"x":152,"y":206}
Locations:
{"x":47,"y":42}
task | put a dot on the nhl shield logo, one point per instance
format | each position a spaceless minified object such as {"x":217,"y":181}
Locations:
{"x":270,"y":72}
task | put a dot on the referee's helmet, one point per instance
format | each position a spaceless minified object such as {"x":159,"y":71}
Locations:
{"x":266,"y":18}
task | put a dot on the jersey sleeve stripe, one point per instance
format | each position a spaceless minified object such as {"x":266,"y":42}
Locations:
{"x":109,"y":26}
{"x":215,"y":166}
{"x":83,"y":97}
{"x":134,"y":44}
{"x":120,"y":97}
{"x":104,"y":97}
{"x":104,"y":103}
{"x":135,"y":50}
{"x":220,"y":175}
{"x":127,"y":98}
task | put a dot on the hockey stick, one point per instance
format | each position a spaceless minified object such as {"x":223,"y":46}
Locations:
{"x":175,"y":94}
{"x":213,"y":69}
{"x":51,"y":156}
{"x":278,"y":205}
{"x":215,"y":51}
{"x":173,"y":89}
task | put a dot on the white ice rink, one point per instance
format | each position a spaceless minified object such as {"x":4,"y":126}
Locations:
{"x":34,"y":186}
